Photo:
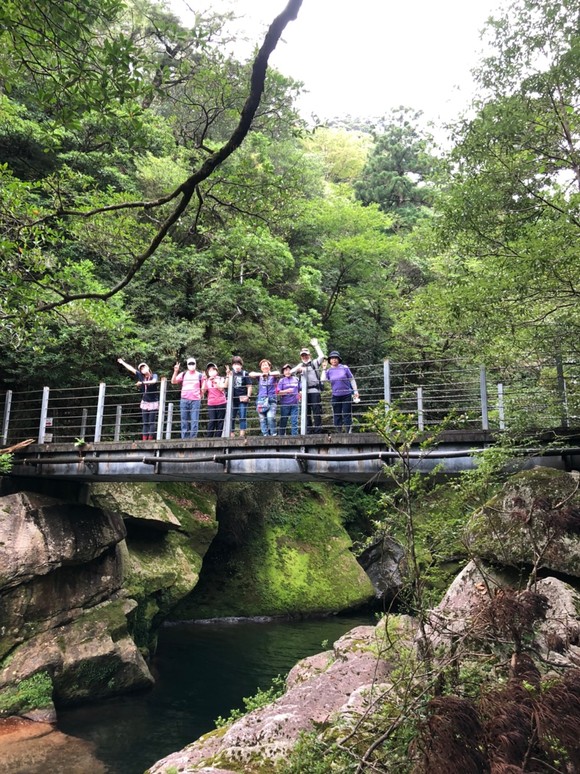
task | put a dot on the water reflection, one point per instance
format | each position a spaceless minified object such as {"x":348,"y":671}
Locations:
{"x":202,"y":671}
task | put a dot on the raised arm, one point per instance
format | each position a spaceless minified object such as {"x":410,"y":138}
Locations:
{"x":175,"y":374}
{"x":317,"y":347}
{"x":126,"y":365}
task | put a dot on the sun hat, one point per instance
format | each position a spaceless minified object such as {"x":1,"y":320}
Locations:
{"x":140,"y":366}
{"x":304,"y":351}
{"x":210,"y":365}
{"x":191,"y":361}
{"x":285,"y":366}
{"x":336,"y":354}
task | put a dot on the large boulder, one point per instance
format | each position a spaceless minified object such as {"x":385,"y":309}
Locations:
{"x":384,"y":562}
{"x":92,"y":657}
{"x":169,"y":529}
{"x":26,"y":747}
{"x":534,"y":521}
{"x":476,"y":597}
{"x":39,"y":534}
{"x":284,"y":552}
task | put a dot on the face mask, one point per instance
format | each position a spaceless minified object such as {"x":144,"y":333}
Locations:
{"x":190,"y":367}
{"x":211,"y":373}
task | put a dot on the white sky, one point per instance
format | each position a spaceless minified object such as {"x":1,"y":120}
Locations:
{"x":364,"y":57}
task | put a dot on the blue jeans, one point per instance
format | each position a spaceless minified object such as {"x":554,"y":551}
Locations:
{"x":268,"y":420}
{"x":189,"y":417}
{"x":241,"y":410}
{"x":149,"y":422}
{"x":285,"y":412}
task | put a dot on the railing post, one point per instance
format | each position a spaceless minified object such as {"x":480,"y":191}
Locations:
{"x":169,"y":421}
{"x":229,"y":407}
{"x":6,"y":420}
{"x":43,"y":414}
{"x":118,"y":415}
{"x":84,"y":419}
{"x":420,"y":413}
{"x":161,"y":413}
{"x":483,"y":395}
{"x":562,"y":391}
{"x":500,"y":406}
{"x":304,"y":403}
{"x":387,"y":383}
{"x":100,"y":412}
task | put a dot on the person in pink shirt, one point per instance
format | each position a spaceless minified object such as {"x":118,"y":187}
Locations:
{"x":190,"y":402}
{"x":215,"y":387}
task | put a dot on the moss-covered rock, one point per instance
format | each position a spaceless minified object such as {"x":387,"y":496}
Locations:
{"x":169,"y":528}
{"x":533,"y":521}
{"x":29,"y":694}
{"x":293,"y":558}
{"x":91,"y":657}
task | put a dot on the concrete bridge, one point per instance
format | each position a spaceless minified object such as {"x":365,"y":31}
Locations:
{"x":353,"y":457}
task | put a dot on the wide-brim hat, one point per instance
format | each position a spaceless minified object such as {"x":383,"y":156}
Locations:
{"x":336,"y":354}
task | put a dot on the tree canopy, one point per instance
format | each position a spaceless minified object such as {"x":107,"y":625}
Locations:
{"x":159,"y":196}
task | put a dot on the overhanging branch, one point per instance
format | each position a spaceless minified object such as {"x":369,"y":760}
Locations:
{"x":187,"y":189}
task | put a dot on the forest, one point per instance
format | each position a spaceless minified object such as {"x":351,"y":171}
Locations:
{"x":161,"y":198}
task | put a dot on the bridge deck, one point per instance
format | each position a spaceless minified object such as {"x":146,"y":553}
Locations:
{"x":354,"y":457}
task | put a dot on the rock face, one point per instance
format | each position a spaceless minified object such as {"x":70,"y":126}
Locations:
{"x":84,"y":587}
{"x":169,"y":529}
{"x":60,"y":568}
{"x":534,"y":521}
{"x":286,"y":553}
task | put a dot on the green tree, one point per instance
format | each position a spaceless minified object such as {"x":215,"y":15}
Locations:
{"x":509,"y":265}
{"x":84,"y":231}
{"x":396,"y":175}
{"x":343,"y":153}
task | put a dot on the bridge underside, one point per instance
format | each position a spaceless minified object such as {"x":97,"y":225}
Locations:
{"x":353,"y":458}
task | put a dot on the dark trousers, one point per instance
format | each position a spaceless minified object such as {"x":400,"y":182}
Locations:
{"x":342,"y":411}
{"x":216,"y":416}
{"x":313,"y":412}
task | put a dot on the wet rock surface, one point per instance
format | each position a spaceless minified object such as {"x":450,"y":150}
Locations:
{"x":27,"y":747}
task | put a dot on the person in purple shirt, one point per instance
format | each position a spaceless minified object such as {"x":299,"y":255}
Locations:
{"x":288,"y":390}
{"x":343,"y":388}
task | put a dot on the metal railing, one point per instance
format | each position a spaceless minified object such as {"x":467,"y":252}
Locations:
{"x":536,"y":397}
